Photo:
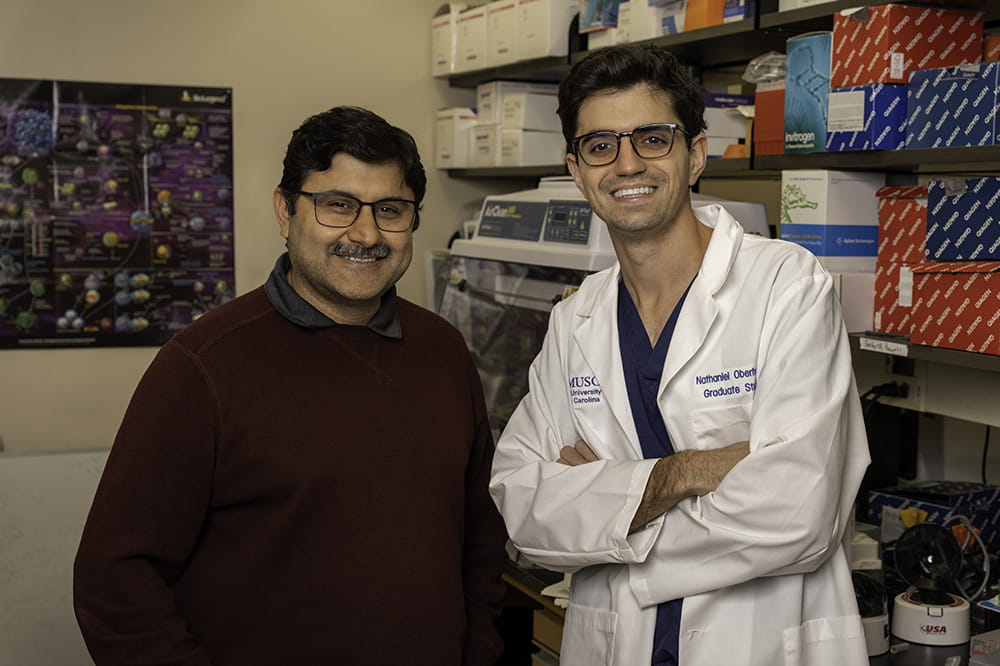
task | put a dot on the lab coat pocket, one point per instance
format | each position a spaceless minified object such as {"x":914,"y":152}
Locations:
{"x":588,"y":636}
{"x":720,"y":426}
{"x":826,"y":641}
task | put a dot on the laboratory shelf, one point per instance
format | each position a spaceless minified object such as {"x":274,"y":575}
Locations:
{"x":717,"y":167}
{"x":509,"y":172}
{"x":923,"y":160}
{"x":898,"y":345}
{"x":717,"y":45}
{"x":820,"y":16}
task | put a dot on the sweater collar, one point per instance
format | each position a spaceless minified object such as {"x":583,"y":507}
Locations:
{"x":297,"y":310}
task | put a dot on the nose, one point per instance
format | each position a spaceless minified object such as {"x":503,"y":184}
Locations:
{"x":364,"y":231}
{"x":628,"y":161}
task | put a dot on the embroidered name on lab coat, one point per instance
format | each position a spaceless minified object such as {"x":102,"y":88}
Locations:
{"x":584,"y":389}
{"x":727,"y":382}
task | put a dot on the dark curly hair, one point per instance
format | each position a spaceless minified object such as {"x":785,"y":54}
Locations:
{"x":619,"y":68}
{"x":357,"y":132}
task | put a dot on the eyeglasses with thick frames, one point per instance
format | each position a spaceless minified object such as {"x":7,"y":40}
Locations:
{"x":649,"y":142}
{"x":339,"y":210}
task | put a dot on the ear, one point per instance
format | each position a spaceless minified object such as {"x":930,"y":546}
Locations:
{"x":281,"y":212}
{"x":697,"y":157}
{"x":574,"y":170}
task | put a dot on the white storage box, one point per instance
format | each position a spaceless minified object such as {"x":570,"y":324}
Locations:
{"x":484,"y":145}
{"x":857,"y":299}
{"x":673,"y":17}
{"x":501,"y":35}
{"x":444,"y":38}
{"x":490,"y":95}
{"x":639,"y":21}
{"x":451,"y":131}
{"x":543,"y":27}
{"x":531,"y":111}
{"x":470,"y":47}
{"x":834,"y":214}
{"x":520,"y":147}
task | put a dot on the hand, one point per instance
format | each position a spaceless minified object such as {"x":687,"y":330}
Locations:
{"x":575,"y":455}
{"x":686,"y":473}
{"x":704,"y":470}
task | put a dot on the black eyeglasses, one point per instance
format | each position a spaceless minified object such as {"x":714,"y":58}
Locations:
{"x":649,"y":142}
{"x":338,"y":210}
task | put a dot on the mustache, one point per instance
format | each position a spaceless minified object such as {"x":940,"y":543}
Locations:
{"x":354,"y":250}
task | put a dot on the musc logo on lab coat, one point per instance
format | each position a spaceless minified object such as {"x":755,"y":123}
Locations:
{"x":584,"y":389}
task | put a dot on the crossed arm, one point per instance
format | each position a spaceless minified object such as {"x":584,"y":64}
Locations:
{"x":681,"y":475}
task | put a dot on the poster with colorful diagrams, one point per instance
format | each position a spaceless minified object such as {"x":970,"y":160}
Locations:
{"x":116,"y":211}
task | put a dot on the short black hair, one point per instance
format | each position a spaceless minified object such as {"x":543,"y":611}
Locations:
{"x":622,"y":67}
{"x":357,"y":132}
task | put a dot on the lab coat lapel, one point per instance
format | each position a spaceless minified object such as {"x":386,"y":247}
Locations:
{"x":700,"y":307}
{"x":597,"y":338}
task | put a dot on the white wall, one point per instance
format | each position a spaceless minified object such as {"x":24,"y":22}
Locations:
{"x":284,"y":62}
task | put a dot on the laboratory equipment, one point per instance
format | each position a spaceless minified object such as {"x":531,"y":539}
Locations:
{"x":930,"y":623}
{"x":530,"y":249}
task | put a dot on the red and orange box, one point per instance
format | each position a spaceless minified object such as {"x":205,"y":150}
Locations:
{"x":956,"y":305}
{"x":884,"y":44}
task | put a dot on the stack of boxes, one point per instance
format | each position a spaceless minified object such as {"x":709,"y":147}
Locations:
{"x":956,"y":293}
{"x":467,"y":37}
{"x":902,"y":224}
{"x":470,"y":36}
{"x":888,"y":77}
{"x":514,"y":124}
{"x":948,"y":293}
{"x":833,"y":214}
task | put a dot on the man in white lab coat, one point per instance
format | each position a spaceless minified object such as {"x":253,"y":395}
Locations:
{"x":692,"y":441}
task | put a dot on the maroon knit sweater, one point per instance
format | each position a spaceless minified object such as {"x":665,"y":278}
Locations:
{"x":280,"y":496}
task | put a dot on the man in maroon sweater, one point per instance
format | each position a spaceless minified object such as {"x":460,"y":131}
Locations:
{"x":301,"y":475}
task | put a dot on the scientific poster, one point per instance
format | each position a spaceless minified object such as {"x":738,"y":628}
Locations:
{"x":116,"y":211}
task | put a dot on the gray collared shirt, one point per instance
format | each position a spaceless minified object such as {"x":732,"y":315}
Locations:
{"x":297,"y":310}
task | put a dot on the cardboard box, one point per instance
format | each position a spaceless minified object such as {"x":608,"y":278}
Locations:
{"x":484,"y":145}
{"x":520,"y":147}
{"x":902,"y":223}
{"x":673,"y":16}
{"x":991,"y":48}
{"x":834,"y":214}
{"x":543,"y":27}
{"x":956,"y":305}
{"x":942,"y":500}
{"x":704,"y":14}
{"x":531,"y":111}
{"x":598,"y":39}
{"x":444,"y":38}
{"x":737,"y":10}
{"x":884,"y":44}
{"x":501,"y":33}
{"x":471,"y":40}
{"x":893,"y":303}
{"x":769,"y":118}
{"x":639,"y":21}
{"x":598,"y":15}
{"x":807,"y":91}
{"x":451,"y":146}
{"x":962,"y":219}
{"x":954,"y":106}
{"x":490,"y":96}
{"x":726,"y":125}
{"x":869,"y":117}
{"x":857,"y":296}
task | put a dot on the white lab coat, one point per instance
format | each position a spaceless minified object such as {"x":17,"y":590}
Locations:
{"x":760,"y":353}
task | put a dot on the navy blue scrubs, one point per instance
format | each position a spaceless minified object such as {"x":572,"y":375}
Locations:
{"x":643,"y":366}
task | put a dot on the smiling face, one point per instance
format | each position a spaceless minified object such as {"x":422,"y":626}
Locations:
{"x":635,"y":195}
{"x":343,"y":272}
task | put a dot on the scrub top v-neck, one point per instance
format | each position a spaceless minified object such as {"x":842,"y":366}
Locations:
{"x":642,"y":364}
